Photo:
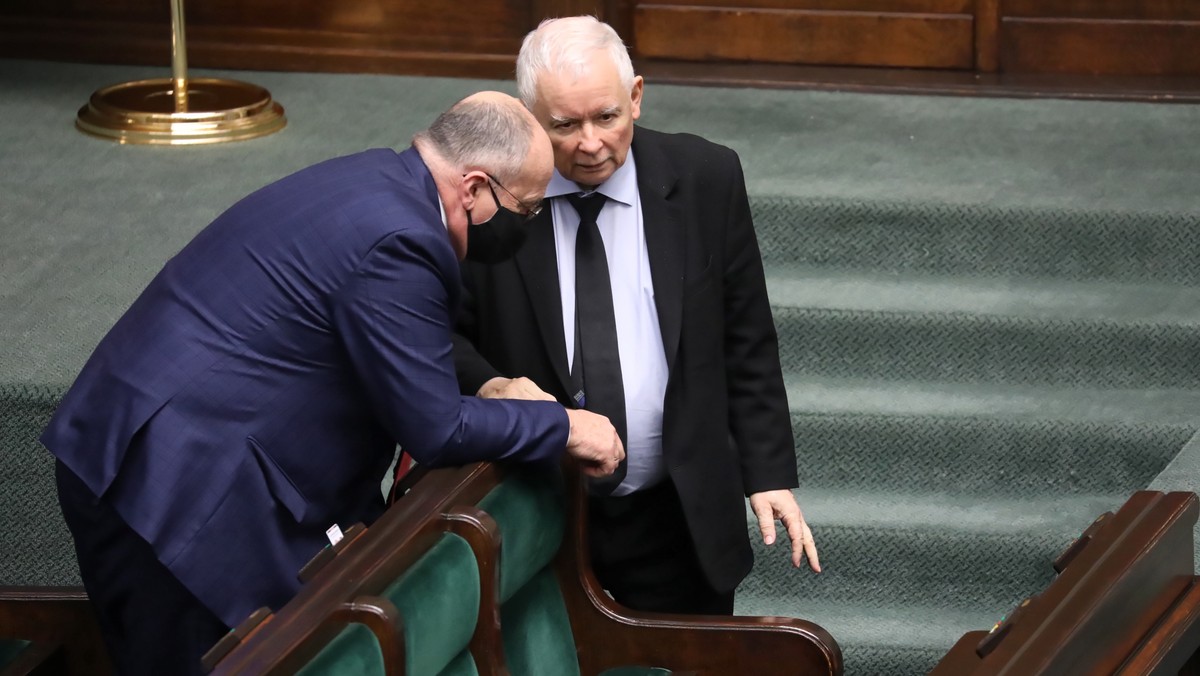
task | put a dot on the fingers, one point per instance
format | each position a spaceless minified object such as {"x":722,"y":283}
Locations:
{"x":512,"y":388}
{"x":796,"y":529}
{"x":766,"y":520}
{"x":594,"y":442}
{"x":810,"y":551}
{"x":527,"y":389}
{"x":606,"y":462}
{"x":771,"y":505}
{"x":804,"y":546}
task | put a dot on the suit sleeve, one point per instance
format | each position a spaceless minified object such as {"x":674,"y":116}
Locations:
{"x":759,"y":418}
{"x":394,"y":320}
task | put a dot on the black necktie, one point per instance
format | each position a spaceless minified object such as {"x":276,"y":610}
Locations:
{"x":596,"y":371}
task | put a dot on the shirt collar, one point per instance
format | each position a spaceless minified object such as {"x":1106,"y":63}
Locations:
{"x":442,"y":211}
{"x":620,"y":187}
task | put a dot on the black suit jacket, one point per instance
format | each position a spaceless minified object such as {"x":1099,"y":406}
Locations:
{"x":726,"y":426}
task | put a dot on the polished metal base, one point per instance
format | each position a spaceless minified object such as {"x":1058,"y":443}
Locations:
{"x":214,"y":111}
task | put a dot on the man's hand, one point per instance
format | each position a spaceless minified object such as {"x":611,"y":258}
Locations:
{"x":771,"y":505}
{"x":512,"y":388}
{"x":594,"y":442}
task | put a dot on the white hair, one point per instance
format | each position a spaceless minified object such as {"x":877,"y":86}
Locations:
{"x":565,"y":46}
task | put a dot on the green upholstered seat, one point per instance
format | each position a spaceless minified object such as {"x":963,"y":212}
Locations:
{"x":10,"y":649}
{"x":353,"y":652}
{"x":468,"y":565}
{"x":438,"y":599}
{"x":529,"y":509}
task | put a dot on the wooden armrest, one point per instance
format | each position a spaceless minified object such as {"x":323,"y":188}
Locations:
{"x":608,"y":635}
{"x":1172,"y":645}
{"x":381,"y":617}
{"x":233,"y":638}
{"x":481,"y":533}
{"x":343,"y":590}
{"x":330,"y":552}
{"x":41,"y":657}
{"x":1125,"y":601}
{"x":706,"y":646}
{"x":61,"y":624}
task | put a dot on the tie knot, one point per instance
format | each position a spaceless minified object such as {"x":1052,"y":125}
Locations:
{"x":588,"y":207}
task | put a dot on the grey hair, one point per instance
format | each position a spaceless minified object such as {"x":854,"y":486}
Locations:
{"x":487,"y":135}
{"x":564,"y":46}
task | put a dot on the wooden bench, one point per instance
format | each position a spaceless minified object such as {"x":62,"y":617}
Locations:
{"x":1126,"y":601}
{"x":50,"y":630}
{"x":477,"y":570}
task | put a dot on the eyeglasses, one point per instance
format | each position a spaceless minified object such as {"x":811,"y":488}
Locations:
{"x":529,"y":212}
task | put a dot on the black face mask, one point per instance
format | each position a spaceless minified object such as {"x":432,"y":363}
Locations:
{"x":498,"y":238}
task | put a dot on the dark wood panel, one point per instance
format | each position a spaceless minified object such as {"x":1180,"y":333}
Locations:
{"x":987,"y":36}
{"x":1166,"y":10}
{"x":1159,"y":89}
{"x":800,"y":36}
{"x":892,"y":6}
{"x":1110,"y":47}
{"x":469,"y":20}
{"x":251,"y":49}
{"x":764,"y":42}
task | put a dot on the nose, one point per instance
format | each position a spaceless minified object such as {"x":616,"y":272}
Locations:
{"x":589,"y":140}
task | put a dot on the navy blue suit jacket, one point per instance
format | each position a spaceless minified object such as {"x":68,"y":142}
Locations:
{"x":254,"y":393}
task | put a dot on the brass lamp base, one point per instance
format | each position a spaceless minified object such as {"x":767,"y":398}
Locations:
{"x":146,"y":112}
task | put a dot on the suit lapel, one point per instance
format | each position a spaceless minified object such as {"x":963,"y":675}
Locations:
{"x":536,"y":262}
{"x":662,"y":220}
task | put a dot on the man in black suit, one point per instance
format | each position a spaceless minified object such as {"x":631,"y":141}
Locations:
{"x":640,"y":294}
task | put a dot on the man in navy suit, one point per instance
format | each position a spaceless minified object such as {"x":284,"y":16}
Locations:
{"x":693,"y":383}
{"x":253,"y":395}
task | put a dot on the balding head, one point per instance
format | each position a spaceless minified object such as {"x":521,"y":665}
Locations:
{"x":485,"y":140}
{"x":489,"y":130}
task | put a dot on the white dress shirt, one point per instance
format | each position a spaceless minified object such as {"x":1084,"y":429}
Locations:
{"x":639,"y":339}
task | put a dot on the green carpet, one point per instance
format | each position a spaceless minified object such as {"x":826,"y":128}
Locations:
{"x":987,"y":311}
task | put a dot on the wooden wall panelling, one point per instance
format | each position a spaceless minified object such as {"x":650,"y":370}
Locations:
{"x":1110,"y":37}
{"x":1109,"y":47}
{"x":875,"y":6}
{"x":553,"y":9}
{"x":480,"y":38}
{"x":820,"y":36}
{"x":987,"y":36}
{"x":1143,"y":10}
{"x":472,"y":38}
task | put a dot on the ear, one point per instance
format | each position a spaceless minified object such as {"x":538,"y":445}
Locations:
{"x":469,"y":186}
{"x":635,"y":97}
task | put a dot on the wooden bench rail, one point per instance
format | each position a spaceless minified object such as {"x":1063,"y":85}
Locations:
{"x":61,"y":626}
{"x":712,"y":646}
{"x":1125,"y":602}
{"x":606,"y":635}
{"x":480,"y":531}
{"x":298,"y":631}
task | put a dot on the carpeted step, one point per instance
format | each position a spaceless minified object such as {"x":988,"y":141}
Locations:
{"x":881,"y":640}
{"x":903,"y":549}
{"x":1071,"y":334}
{"x":983,"y":440}
{"x":979,"y":239}
{"x":28,"y":497}
{"x":904,"y":575}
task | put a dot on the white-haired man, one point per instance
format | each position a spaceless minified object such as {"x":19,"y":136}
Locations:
{"x":640,"y":294}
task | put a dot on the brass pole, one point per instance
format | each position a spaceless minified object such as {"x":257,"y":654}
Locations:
{"x":179,"y":111}
{"x":179,"y":57}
